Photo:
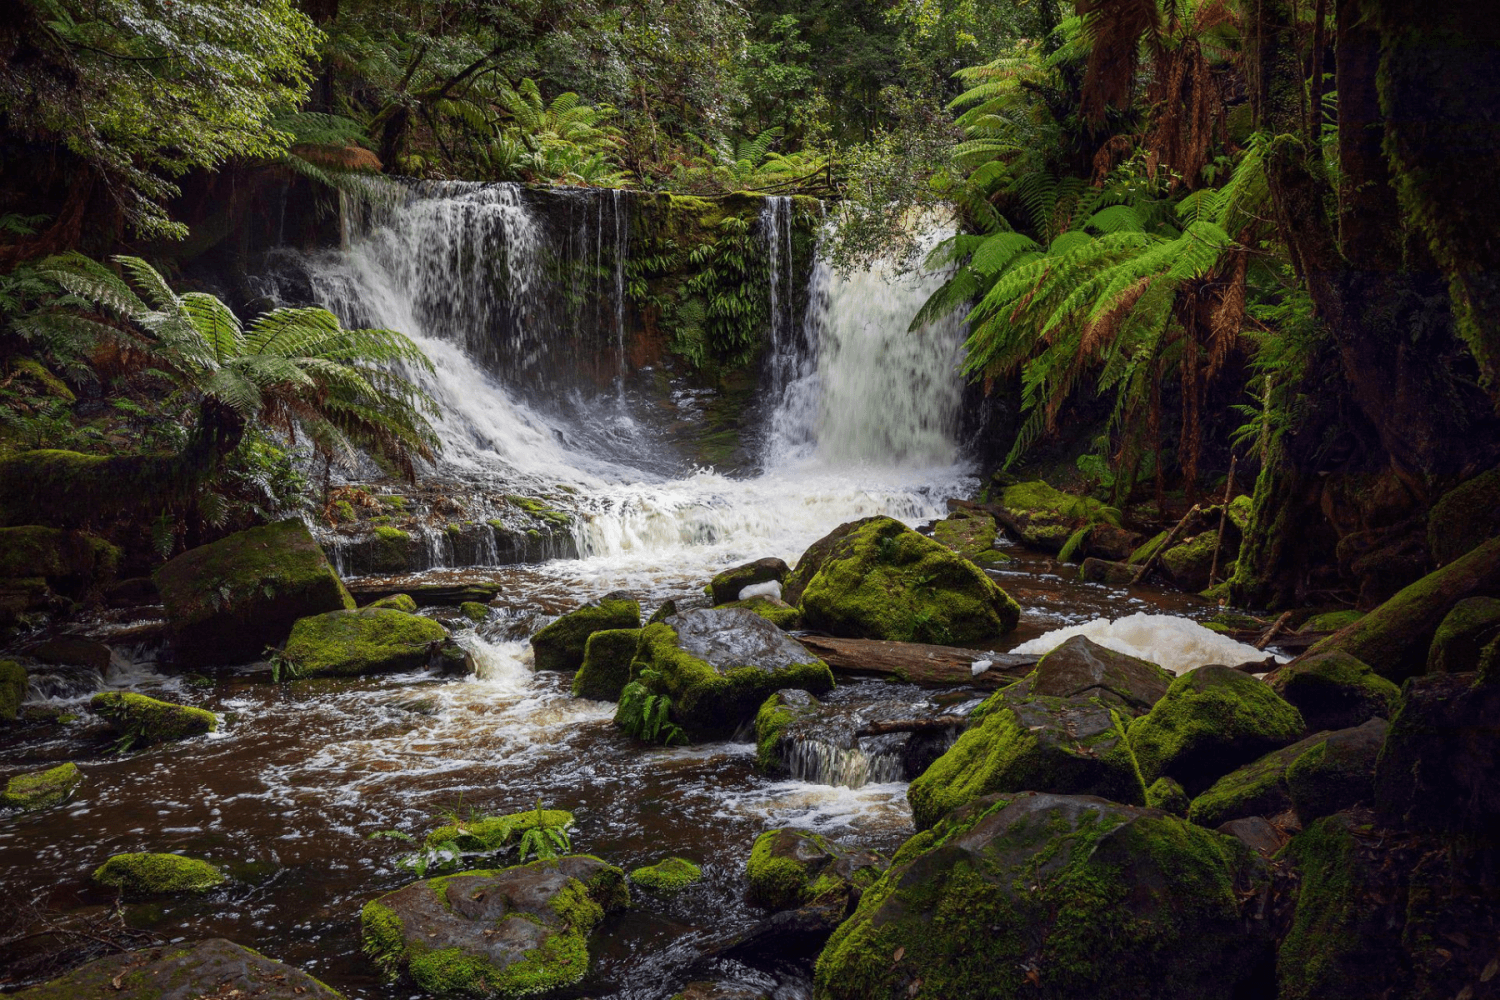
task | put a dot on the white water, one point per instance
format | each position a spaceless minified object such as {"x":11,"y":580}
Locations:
{"x":1178,"y":644}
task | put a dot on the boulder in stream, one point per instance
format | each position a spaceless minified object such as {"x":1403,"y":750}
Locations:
{"x":228,"y":600}
{"x":794,"y":868}
{"x":71,"y":562}
{"x":560,"y":645}
{"x":606,"y":664}
{"x":41,"y":789}
{"x":726,"y":586}
{"x":878,"y":579}
{"x":367,"y":641}
{"x":717,"y":665}
{"x":1041,"y":517}
{"x":136,"y":875}
{"x":969,"y":533}
{"x":667,"y":875}
{"x":507,"y":932}
{"x":1335,"y":691}
{"x":141,"y":720}
{"x":194,"y":970}
{"x":1057,"y":897}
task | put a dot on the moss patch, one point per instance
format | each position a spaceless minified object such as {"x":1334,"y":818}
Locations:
{"x":142,"y":720}
{"x":1043,"y":517}
{"x":777,"y":712}
{"x":41,"y":789}
{"x":670,"y":875}
{"x":971,"y":535}
{"x":72,"y":562}
{"x":778,"y":613}
{"x":1464,"y":517}
{"x":606,"y":664}
{"x":396,"y":602}
{"x":1331,"y":621}
{"x":474,"y":611}
{"x":560,"y":645}
{"x":1472,"y":624}
{"x":370,"y":640}
{"x":157,"y":874}
{"x":489,"y":834}
{"x":1168,"y":796}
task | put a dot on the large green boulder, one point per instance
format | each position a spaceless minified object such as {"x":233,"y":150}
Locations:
{"x":1042,"y":517}
{"x":1188,"y":563}
{"x":1335,"y":690}
{"x":508,"y":932}
{"x":1473,"y":624}
{"x":1322,"y":774}
{"x":560,"y":645}
{"x":1211,"y":721}
{"x":606,"y":664}
{"x":725,"y":587}
{"x":717,"y":665}
{"x":228,"y":600}
{"x":41,"y":789}
{"x":157,"y":874}
{"x":12,"y":689}
{"x":1464,"y":517}
{"x":792,"y":868}
{"x":1061,"y":729}
{"x":1394,"y":638}
{"x":881,"y":580}
{"x":214,"y":969}
{"x":141,"y":720}
{"x":367,"y":641}
{"x":1059,"y":897}
{"x":71,"y":562}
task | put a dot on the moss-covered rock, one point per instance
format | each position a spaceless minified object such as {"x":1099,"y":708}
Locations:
{"x":474,"y":611}
{"x":228,"y":600}
{"x":717,"y":665}
{"x":606,"y":664}
{"x":73,"y":651}
{"x":141,"y":720}
{"x":1319,"y":775}
{"x":1168,"y":796}
{"x":881,"y":580}
{"x":1112,"y":574}
{"x":508,"y":932}
{"x":1188,"y":563}
{"x":777,"y":712}
{"x":1331,"y":621}
{"x":778,"y":613}
{"x":725,"y":587}
{"x":491,"y":834}
{"x":367,"y":641}
{"x":669,"y":875}
{"x":1081,"y":668}
{"x":12,"y":689}
{"x":1394,"y":638}
{"x":72,"y":562}
{"x":705,"y":990}
{"x":970,"y":534}
{"x":1211,"y":721}
{"x":1464,"y":517}
{"x":1042,"y":517}
{"x":41,"y":789}
{"x":157,"y":874}
{"x":1335,"y":690}
{"x":194,"y":970}
{"x":1057,"y":897}
{"x":395,"y":602}
{"x":792,"y":868}
{"x":1473,"y":624}
{"x":560,"y":645}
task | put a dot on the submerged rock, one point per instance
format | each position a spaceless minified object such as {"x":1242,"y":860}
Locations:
{"x":157,"y":874}
{"x":1335,"y":691}
{"x":142,"y":721}
{"x":199,"y":970}
{"x":367,"y":641}
{"x":878,"y":579}
{"x":717,"y":665}
{"x":726,"y":586}
{"x":1210,"y":722}
{"x":795,"y":868}
{"x":41,"y":789}
{"x":506,"y":932}
{"x":1054,"y":896}
{"x":606,"y":664}
{"x":560,"y":645}
{"x":228,"y":600}
{"x":669,"y":875}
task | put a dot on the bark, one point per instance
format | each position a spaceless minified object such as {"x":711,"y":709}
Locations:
{"x":916,"y":662}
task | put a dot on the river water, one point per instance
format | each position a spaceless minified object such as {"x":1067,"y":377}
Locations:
{"x":288,"y":792}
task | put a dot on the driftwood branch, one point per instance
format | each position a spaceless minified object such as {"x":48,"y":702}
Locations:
{"x":1167,"y":543}
{"x":1213,"y":569}
{"x":882,"y":726}
{"x":1273,"y":631}
{"x":917,"y":662}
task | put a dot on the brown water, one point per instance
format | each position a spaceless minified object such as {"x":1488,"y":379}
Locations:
{"x":287,"y":793}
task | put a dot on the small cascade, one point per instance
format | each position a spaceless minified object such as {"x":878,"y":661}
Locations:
{"x":852,"y":767}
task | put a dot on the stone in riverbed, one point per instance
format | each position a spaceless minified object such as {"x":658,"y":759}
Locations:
{"x":41,"y":789}
{"x":878,"y":579}
{"x":717,"y":665}
{"x":73,"y":651}
{"x":143,"y":720}
{"x":795,"y":868}
{"x":668,"y":875}
{"x":704,"y":990}
{"x":228,"y":600}
{"x":726,"y":586}
{"x":1113,"y":574}
{"x":157,"y":875}
{"x":606,"y":664}
{"x":502,"y":933}
{"x":560,"y":645}
{"x":198,"y":970}
{"x":1057,"y":897}
{"x":367,"y":641}
{"x":1335,"y":691}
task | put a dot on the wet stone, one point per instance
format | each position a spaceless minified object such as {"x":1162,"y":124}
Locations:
{"x":202,"y":970}
{"x":728,"y":638}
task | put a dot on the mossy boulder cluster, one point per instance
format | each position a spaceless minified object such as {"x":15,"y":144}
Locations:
{"x":137,"y":875}
{"x":228,"y":600}
{"x":142,"y":720}
{"x":878,"y":579}
{"x":367,"y":641}
{"x":194,"y":970}
{"x":717,"y":665}
{"x":561,"y":645}
{"x":508,"y":932}
{"x":41,"y":789}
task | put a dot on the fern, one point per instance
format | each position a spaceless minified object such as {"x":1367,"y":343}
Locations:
{"x":647,"y":715}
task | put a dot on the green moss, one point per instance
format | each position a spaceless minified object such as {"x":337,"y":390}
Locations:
{"x":882,"y":580}
{"x":537,"y":508}
{"x":370,"y":640}
{"x":1147,"y":549}
{"x":1472,"y":624}
{"x":606,"y":664}
{"x":771,"y":719}
{"x":670,"y":875}
{"x":12,"y":688}
{"x":41,"y":789}
{"x":142,"y":720}
{"x":1168,"y":796}
{"x":970,"y":535}
{"x":779,"y":879}
{"x":561,"y":645}
{"x":157,"y":874}
{"x":494,"y":833}
{"x":778,"y":613}
{"x":1256,"y":789}
{"x":1044,"y":517}
{"x":1331,"y":621}
{"x":71,"y":561}
{"x":391,"y":534}
{"x":1211,"y":721}
{"x":1188,"y":563}
{"x":474,"y":611}
{"x":383,"y":937}
{"x":396,"y":602}
{"x":1464,"y":517}
{"x":1335,"y":690}
{"x":1321,"y":956}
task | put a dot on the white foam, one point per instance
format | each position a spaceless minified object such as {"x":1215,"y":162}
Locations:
{"x":771,"y":588}
{"x":1178,"y":644}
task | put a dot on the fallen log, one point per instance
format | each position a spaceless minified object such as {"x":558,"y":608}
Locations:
{"x":880,"y":727}
{"x":917,"y":662}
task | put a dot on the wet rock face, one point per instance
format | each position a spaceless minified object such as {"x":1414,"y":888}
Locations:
{"x":1081,"y":667}
{"x":1335,"y":690}
{"x":500,"y":933}
{"x":728,"y":638}
{"x":191,"y":971}
{"x":1058,"y":897}
{"x":726,"y":586}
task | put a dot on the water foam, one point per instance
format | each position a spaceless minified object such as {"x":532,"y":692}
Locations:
{"x":1178,"y":644}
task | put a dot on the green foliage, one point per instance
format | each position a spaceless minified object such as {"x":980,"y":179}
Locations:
{"x":647,"y":716}
{"x":544,"y":840}
{"x":731,"y":268}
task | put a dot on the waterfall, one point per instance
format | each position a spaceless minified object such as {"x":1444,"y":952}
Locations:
{"x":825,"y":764}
